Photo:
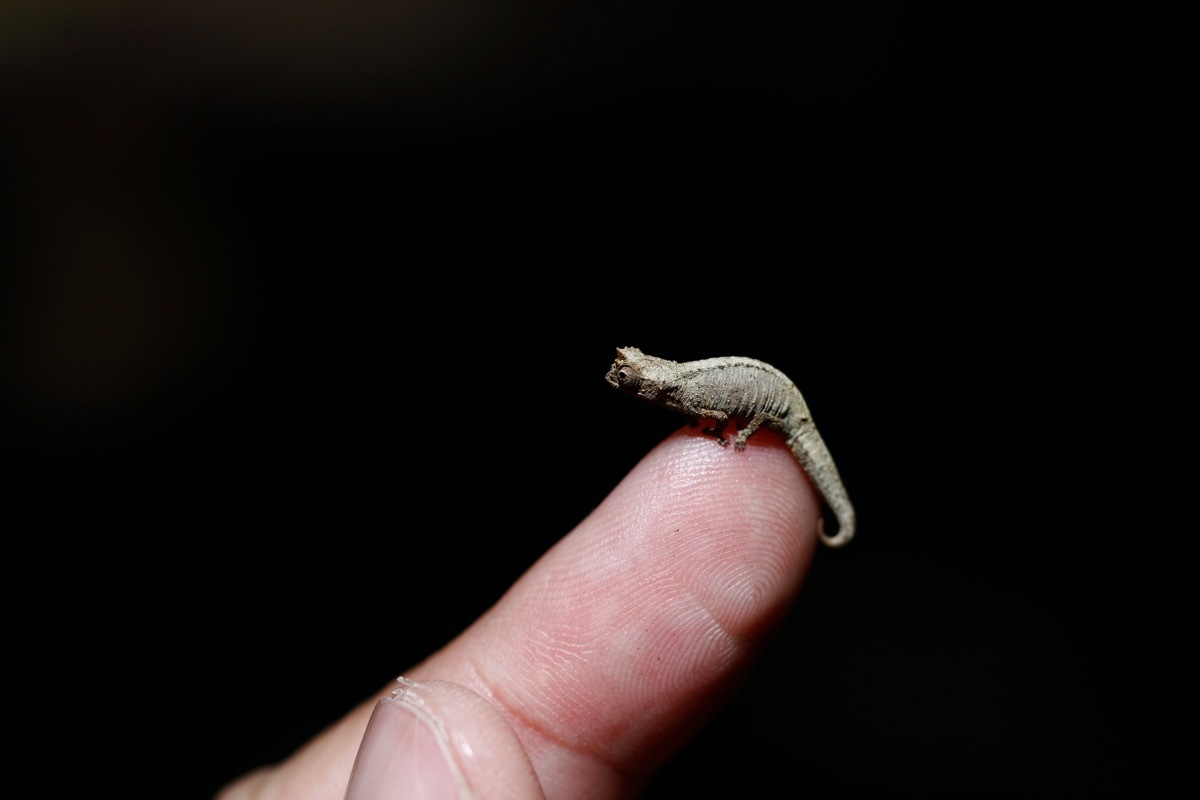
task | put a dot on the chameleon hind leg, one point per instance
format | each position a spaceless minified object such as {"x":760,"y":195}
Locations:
{"x":743,"y":435}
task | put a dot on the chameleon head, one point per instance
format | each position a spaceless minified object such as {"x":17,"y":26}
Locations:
{"x":636,"y":373}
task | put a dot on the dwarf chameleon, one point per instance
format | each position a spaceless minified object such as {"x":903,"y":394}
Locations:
{"x":749,"y":393}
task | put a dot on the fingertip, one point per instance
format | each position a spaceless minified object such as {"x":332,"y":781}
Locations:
{"x":619,"y":642}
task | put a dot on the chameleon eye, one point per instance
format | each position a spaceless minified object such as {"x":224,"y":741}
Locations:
{"x":627,"y":376}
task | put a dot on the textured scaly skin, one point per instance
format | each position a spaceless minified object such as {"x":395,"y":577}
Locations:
{"x":750,"y":394}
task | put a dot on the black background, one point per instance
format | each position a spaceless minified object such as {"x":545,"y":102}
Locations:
{"x":305,"y":313}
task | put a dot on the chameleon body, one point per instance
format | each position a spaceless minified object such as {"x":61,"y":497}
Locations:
{"x":748,"y":393}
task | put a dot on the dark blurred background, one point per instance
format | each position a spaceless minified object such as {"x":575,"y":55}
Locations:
{"x":305,"y":308}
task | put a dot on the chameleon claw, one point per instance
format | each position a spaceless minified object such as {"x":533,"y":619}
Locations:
{"x":739,"y":441}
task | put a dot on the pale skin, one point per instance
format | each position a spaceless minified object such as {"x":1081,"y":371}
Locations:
{"x":613,"y":649}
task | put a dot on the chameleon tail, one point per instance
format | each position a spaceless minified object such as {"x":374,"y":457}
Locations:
{"x":810,"y":450}
{"x":844,"y":534}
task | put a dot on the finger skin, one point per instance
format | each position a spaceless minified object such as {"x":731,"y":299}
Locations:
{"x":613,"y":649}
{"x":436,"y":739}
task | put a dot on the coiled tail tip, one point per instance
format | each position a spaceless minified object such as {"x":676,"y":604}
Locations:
{"x":843,"y":536}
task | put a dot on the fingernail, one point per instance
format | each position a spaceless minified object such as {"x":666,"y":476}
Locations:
{"x":404,"y":754}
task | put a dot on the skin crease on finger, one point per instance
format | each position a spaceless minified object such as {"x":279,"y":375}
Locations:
{"x":617,"y":645}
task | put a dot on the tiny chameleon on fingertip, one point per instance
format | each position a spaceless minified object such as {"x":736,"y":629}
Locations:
{"x":749,"y":393}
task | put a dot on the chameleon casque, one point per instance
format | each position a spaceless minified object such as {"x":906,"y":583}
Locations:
{"x":749,"y":393}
